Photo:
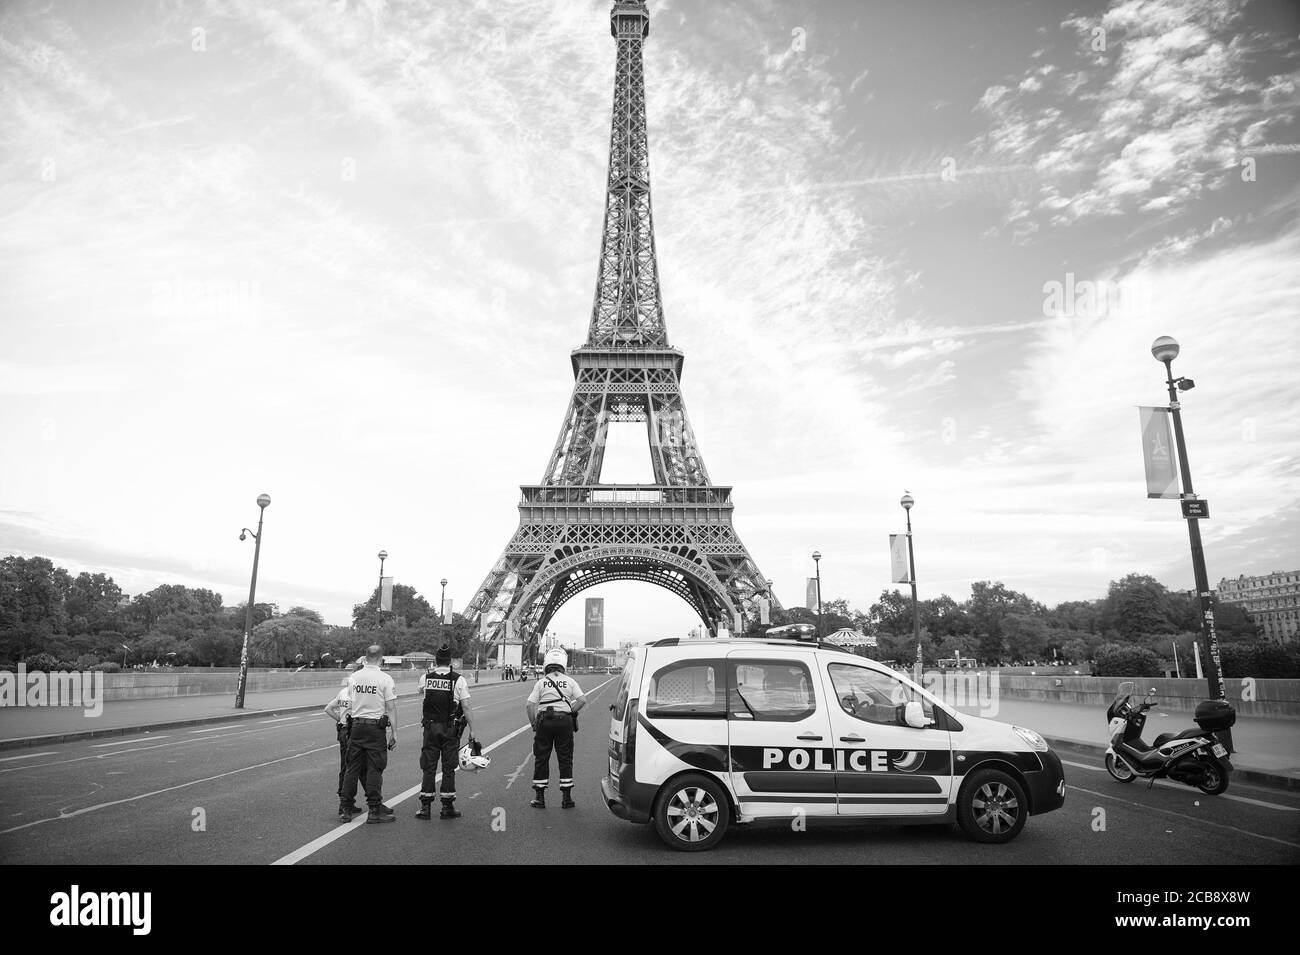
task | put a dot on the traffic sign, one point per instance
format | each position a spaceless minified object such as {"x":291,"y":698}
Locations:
{"x":1195,"y":508}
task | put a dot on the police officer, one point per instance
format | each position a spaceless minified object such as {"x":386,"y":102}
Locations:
{"x":337,"y":711}
{"x":446,"y":698}
{"x":372,"y":699}
{"x":552,"y":710}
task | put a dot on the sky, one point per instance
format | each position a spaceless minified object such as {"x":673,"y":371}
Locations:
{"x":339,"y":252}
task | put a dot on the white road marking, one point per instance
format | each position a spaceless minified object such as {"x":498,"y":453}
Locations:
{"x":158,"y":792}
{"x":338,"y":832}
{"x":1180,"y":815}
{"x":280,"y":720}
{"x":209,"y":729}
{"x":123,"y":742}
{"x":26,"y":756}
{"x":1165,"y":784}
{"x":344,"y":828}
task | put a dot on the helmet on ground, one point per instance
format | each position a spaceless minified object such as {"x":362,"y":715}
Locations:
{"x":556,"y":657}
{"x":472,"y":758}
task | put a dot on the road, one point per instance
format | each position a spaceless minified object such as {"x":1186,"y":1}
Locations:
{"x":264,"y":792}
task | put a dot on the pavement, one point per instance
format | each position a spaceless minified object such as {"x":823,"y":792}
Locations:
{"x":22,"y":726}
{"x":262,"y":791}
{"x":1265,"y":751}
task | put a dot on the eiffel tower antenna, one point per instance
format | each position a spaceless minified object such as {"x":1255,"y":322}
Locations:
{"x":574,"y":531}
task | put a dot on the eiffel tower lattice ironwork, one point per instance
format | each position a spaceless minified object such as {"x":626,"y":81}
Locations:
{"x":575,"y":532}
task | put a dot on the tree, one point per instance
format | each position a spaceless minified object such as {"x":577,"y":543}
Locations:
{"x":408,"y":606}
{"x":92,"y":603}
{"x":281,"y":639}
{"x":1137,"y":604}
{"x":988,"y":606}
{"x":32,"y":593}
{"x":892,"y":613}
{"x":1115,"y":660}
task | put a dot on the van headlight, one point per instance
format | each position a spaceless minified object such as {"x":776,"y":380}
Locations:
{"x":1033,"y":739}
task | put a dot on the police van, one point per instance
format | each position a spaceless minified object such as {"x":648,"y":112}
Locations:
{"x":707,"y":733}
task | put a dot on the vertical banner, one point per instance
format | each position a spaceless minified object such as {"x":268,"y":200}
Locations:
{"x":1158,"y":453}
{"x":764,"y":611}
{"x":594,"y":629}
{"x":812,"y":594}
{"x":385,"y":593}
{"x":898,"y":559}
{"x":446,"y":611}
{"x":738,"y":619}
{"x":508,"y":631}
{"x":483,"y":625}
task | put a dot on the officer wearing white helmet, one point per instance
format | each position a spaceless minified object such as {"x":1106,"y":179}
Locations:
{"x":552,"y":710}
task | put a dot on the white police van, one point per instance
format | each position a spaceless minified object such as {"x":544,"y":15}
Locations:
{"x":706,"y":733}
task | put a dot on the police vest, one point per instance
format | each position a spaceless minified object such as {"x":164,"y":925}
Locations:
{"x":440,"y":696}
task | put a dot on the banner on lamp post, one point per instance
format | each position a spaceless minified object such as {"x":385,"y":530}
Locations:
{"x":1158,"y":453}
{"x":764,"y":611}
{"x":385,"y":593}
{"x":898,"y":564}
{"x":811,"y":595}
{"x":446,"y":611}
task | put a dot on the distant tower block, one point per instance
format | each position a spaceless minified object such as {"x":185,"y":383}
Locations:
{"x":574,"y":531}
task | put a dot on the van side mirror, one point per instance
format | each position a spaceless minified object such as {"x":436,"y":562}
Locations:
{"x":914,"y":715}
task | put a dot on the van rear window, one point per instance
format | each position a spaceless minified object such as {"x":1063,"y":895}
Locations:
{"x":689,"y":689}
{"x":620,"y":702}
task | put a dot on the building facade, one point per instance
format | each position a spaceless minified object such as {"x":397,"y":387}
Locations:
{"x":1272,"y":600}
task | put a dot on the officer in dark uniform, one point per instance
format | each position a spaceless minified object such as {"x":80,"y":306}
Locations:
{"x":446,"y":714}
{"x":553,"y":712}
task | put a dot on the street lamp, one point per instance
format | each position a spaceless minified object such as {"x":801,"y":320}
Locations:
{"x":907,"y":501}
{"x":379,"y":594}
{"x":262,"y":501}
{"x":1165,"y":350}
{"x":817,"y":559}
{"x":442,"y":604}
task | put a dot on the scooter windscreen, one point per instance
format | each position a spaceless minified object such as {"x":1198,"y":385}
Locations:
{"x":1124,"y":692}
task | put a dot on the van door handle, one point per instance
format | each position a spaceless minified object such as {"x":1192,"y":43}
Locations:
{"x":852,"y":739}
{"x":809,"y":736}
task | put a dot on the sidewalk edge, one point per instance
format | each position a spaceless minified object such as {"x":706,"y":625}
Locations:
{"x":1259,"y":777}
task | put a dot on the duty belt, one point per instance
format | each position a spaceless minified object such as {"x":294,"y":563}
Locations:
{"x":366,"y":719}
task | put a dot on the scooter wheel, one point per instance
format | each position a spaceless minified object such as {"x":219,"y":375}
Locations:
{"x":1119,"y":769}
{"x":1216,"y":778}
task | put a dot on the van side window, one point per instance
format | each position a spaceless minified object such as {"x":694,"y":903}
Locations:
{"x":873,"y":697}
{"x":776,"y":690}
{"x":690,"y":689}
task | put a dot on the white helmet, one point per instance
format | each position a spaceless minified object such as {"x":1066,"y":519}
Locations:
{"x":556,"y":655}
{"x":472,"y":758}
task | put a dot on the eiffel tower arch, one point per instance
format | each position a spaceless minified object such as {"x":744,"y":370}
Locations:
{"x":574,"y":531}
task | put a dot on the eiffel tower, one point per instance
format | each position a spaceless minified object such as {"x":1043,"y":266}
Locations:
{"x":575,"y":532}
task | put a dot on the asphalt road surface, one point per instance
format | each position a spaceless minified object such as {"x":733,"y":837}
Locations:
{"x":264,"y":791}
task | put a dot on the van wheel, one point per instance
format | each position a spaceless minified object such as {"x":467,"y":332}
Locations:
{"x":992,"y":806}
{"x":692,"y":813}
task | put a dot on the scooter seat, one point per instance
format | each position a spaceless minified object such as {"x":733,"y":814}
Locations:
{"x":1185,"y":734}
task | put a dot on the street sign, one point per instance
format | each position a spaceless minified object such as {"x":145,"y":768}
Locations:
{"x":1196,"y":508}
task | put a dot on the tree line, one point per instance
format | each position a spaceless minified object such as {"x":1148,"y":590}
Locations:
{"x":1132,"y":631}
{"x":52,"y":620}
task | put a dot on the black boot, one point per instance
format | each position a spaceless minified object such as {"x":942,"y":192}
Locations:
{"x":448,"y":810}
{"x":384,"y":809}
{"x":376,"y":816}
{"x":424,"y":808}
{"x":566,"y":801}
{"x":539,"y":798}
{"x":346,"y":812}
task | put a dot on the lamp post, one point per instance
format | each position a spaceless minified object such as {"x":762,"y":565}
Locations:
{"x":1165,"y":350}
{"x":262,"y":501}
{"x":442,"y":603}
{"x":907,"y":501}
{"x":817,"y":560}
{"x":379,"y":594}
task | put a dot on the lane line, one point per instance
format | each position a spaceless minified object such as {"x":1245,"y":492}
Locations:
{"x":158,"y":792}
{"x":1191,"y":819}
{"x":123,"y":742}
{"x":26,"y":756}
{"x":343,"y":829}
{"x":1166,"y":784}
{"x":208,"y":729}
{"x":280,"y":720}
